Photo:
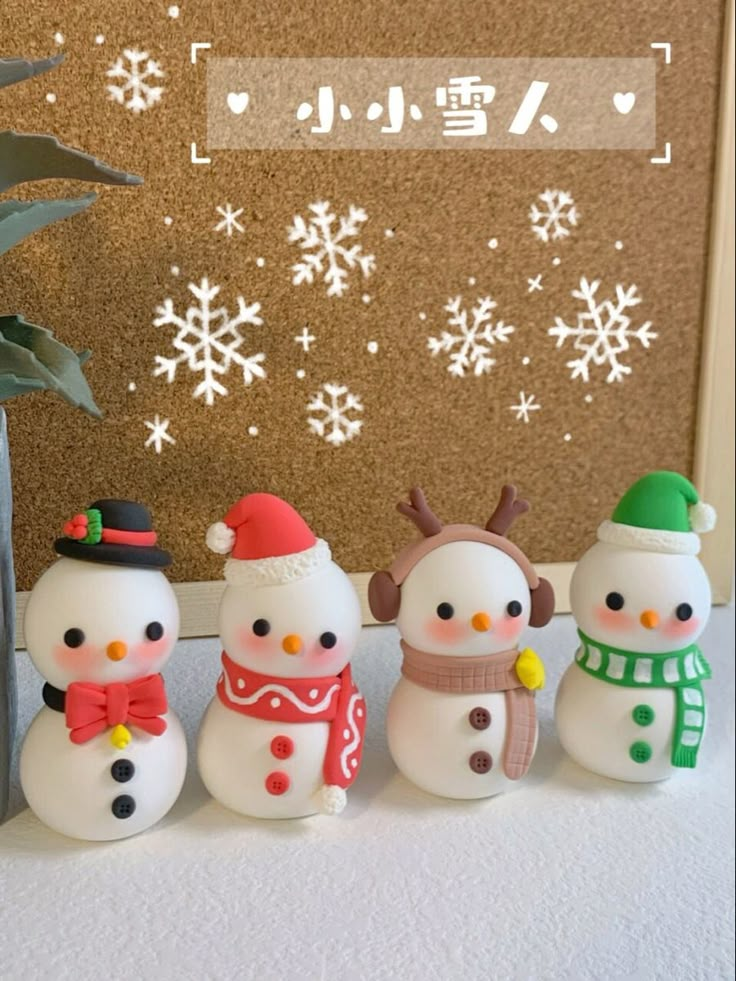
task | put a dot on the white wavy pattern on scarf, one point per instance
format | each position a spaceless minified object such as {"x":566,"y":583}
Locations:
{"x":279,"y":690}
{"x":354,"y":699}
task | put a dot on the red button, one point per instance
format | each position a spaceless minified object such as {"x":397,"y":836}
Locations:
{"x":277,"y":783}
{"x":282,"y":747}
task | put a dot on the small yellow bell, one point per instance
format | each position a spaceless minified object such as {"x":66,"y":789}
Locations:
{"x":120,"y":737}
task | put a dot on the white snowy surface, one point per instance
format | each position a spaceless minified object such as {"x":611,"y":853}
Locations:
{"x":571,"y":876}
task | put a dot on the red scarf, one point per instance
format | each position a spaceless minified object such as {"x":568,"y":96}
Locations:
{"x":90,"y":708}
{"x":333,"y":699}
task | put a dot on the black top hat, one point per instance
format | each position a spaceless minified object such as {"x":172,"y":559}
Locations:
{"x":117,"y":532}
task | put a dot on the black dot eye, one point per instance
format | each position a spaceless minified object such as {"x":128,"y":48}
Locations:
{"x":445,"y":611}
{"x":261,"y":627}
{"x":328,"y":639}
{"x":615,"y":601}
{"x":684,"y":611}
{"x":514,"y":608}
{"x":74,"y":637}
{"x":154,"y":630}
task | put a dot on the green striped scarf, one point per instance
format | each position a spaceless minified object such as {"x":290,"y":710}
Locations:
{"x":681,"y":670}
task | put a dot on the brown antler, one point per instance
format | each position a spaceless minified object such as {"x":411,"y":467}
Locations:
{"x":420,"y":513}
{"x":507,"y":510}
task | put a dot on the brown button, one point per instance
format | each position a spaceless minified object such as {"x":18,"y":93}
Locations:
{"x":480,"y":762}
{"x":479,"y":718}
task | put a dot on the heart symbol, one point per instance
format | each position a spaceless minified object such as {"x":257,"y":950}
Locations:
{"x":237,"y":102}
{"x":624,"y":102}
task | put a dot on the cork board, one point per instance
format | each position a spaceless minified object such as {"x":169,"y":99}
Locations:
{"x":438,"y":226}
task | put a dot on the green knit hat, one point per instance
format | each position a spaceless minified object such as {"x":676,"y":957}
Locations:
{"x":661,"y":512}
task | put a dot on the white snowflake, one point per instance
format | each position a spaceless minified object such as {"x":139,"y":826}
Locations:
{"x":135,"y":69}
{"x":602,"y":331}
{"x":305,"y":339}
{"x":209,"y":341}
{"x":333,"y":406}
{"x":468,"y":346}
{"x":550,"y":221}
{"x":229,"y":223}
{"x":526,"y":405}
{"x":326,"y":253}
{"x":159,"y":433}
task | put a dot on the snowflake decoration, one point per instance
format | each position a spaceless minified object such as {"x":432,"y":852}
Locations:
{"x":602,"y":331}
{"x":332,"y":420}
{"x":526,"y":405}
{"x":550,"y":221}
{"x":305,"y":339}
{"x":159,"y":433}
{"x":229,"y":223}
{"x":209,"y":340}
{"x":468,"y":346}
{"x":325,"y":252}
{"x":135,"y":69}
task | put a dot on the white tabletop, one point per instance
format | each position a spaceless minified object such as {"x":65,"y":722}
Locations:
{"x":570,"y":876}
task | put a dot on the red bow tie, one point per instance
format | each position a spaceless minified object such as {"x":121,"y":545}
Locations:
{"x":90,"y":709}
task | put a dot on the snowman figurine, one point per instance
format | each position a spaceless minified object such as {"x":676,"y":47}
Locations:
{"x":105,"y":758}
{"x":461,"y":721}
{"x":631,"y":705}
{"x":283,"y":736}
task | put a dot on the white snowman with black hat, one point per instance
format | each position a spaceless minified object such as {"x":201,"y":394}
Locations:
{"x":283,"y":736}
{"x":105,"y":757}
{"x":631,"y":706}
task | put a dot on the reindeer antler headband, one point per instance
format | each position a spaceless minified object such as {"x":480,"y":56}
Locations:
{"x":436,"y":534}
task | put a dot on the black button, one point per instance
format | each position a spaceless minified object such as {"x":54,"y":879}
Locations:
{"x":122,"y":771}
{"x":479,"y":718}
{"x":480,"y":762}
{"x":123,"y":806}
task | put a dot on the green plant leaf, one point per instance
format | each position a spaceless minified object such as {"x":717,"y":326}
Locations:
{"x":31,"y":357}
{"x":18,"y":69}
{"x":20,"y":218}
{"x":11,"y":385}
{"x":36,"y":157}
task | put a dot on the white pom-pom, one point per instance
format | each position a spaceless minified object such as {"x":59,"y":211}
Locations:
{"x":702,"y":517}
{"x":220,"y":538}
{"x":333,"y":800}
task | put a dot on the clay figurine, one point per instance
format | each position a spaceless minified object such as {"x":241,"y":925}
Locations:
{"x":105,"y":758}
{"x":631,"y":705}
{"x":461,"y":721}
{"x":283,"y":736}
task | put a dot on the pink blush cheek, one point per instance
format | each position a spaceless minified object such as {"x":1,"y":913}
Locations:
{"x":254,"y":644}
{"x":445,"y":631}
{"x":681,"y":628}
{"x":148,"y":650}
{"x":78,"y":660}
{"x":614,"y":619}
{"x":509,"y":628}
{"x":322,"y":659}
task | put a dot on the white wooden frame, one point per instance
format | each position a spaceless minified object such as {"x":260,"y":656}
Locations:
{"x":714,"y":443}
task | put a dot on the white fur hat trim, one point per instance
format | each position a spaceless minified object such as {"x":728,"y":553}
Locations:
{"x":649,"y":539}
{"x":278,"y":569}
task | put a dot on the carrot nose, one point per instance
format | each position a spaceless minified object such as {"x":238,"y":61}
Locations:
{"x":481,"y":622}
{"x":292,"y":644}
{"x":649,"y":619}
{"x":117,"y":650}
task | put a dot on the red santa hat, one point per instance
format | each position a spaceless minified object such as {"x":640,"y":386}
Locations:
{"x":268,"y":542}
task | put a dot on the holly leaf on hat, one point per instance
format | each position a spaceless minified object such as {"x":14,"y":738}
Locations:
{"x":31,"y":359}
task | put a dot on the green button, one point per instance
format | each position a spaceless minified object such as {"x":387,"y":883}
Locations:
{"x":643,"y":715}
{"x":640,"y":752}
